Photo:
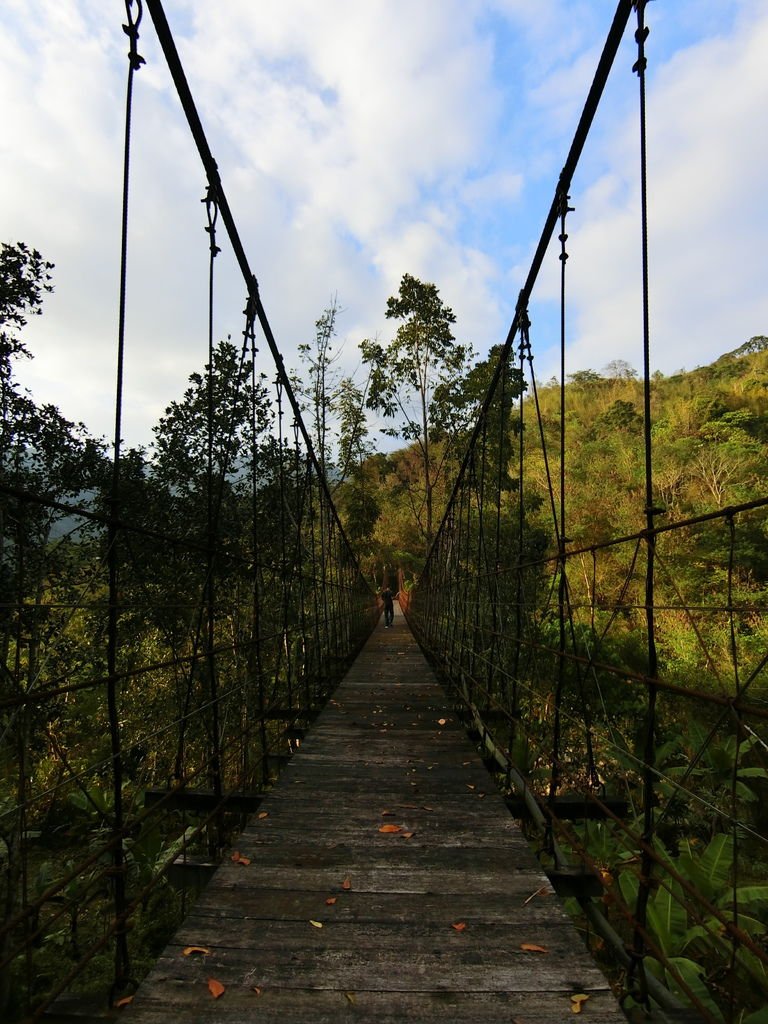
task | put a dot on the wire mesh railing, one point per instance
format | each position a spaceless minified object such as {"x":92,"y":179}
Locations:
{"x":169,"y":625}
{"x":613,"y":663}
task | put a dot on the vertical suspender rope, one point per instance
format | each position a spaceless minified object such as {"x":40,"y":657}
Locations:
{"x":562,"y":540}
{"x":317,"y":663}
{"x":256,"y":666}
{"x":209,"y":599}
{"x":525,"y":346}
{"x":282,"y":650}
{"x":302,"y":510}
{"x":649,"y":753}
{"x":738,"y":736}
{"x":122,"y":957}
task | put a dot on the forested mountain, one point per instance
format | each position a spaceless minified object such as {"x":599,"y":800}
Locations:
{"x":709,"y":444}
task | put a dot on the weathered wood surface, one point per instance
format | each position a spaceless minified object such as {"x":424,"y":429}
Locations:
{"x":386,"y":751}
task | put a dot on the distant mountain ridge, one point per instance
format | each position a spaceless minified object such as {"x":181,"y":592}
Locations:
{"x":759,"y":343}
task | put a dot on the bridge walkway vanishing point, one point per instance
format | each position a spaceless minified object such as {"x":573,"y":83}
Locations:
{"x":384,"y":752}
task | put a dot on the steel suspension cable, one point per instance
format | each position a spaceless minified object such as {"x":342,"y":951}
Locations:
{"x":607,"y":57}
{"x":122,"y":966}
{"x":168,"y":45}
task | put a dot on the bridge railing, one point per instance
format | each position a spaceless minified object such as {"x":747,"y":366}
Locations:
{"x":169,"y":627}
{"x":618,"y":684}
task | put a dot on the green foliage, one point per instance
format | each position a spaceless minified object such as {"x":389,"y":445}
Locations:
{"x":407,"y":375}
{"x":24,"y":278}
{"x":237,"y":606}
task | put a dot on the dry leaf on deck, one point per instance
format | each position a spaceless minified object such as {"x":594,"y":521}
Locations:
{"x":532,"y":947}
{"x":391,"y":828}
{"x":189,"y":950}
{"x":263,"y":814}
{"x":407,"y":835}
{"x":257,"y":989}
{"x":346,"y":884}
{"x":125,"y":1001}
{"x":330,"y":901}
{"x":577,"y":1001}
{"x":460,"y":926}
{"x":316,"y":924}
{"x":215,"y":988}
{"x":442,"y":721}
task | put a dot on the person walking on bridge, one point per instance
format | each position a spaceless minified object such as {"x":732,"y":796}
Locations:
{"x":389,"y":606}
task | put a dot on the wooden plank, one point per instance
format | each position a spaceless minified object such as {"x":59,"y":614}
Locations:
{"x":242,"y":1005}
{"x":384,"y":948}
{"x":326,"y":969}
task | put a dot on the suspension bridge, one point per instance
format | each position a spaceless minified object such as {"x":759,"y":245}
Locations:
{"x":223,"y":777}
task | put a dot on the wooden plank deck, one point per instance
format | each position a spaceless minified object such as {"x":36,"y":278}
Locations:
{"x":387,"y":950}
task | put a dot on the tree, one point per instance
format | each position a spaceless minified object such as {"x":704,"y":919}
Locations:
{"x":24,"y":277}
{"x":239,"y":409}
{"x":405,"y":375}
{"x":42,"y":456}
{"x":336,"y":405}
{"x":318,"y":391}
{"x":619,"y":369}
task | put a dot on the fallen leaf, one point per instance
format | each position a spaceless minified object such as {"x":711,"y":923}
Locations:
{"x":235,"y":856}
{"x":346,"y":884}
{"x":391,"y":828}
{"x":407,"y":835}
{"x":425,"y":808}
{"x":386,"y":814}
{"x":215,"y":988}
{"x":470,"y":786}
{"x":264,"y":814}
{"x":238,"y":858}
{"x":257,"y":989}
{"x":189,"y":950}
{"x":442,"y":721}
{"x":460,"y":926}
{"x":125,"y":1001}
{"x":330,"y":901}
{"x":316,"y":924}
{"x":532,"y":947}
{"x":578,"y":1001}
{"x":350,"y":996}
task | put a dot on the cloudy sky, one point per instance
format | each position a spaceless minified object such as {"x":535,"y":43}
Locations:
{"x":360,"y":139}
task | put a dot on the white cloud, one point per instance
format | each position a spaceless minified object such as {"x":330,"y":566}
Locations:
{"x":357,"y":142}
{"x":707,"y":226}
